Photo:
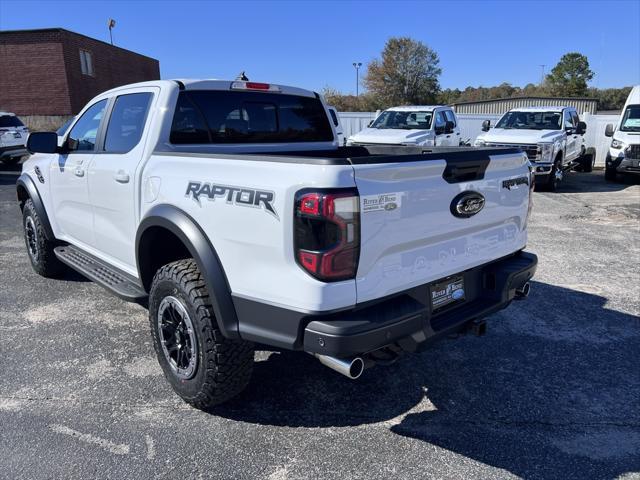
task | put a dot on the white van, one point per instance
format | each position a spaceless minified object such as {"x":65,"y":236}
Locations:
{"x":423,"y":125}
{"x":624,"y":152}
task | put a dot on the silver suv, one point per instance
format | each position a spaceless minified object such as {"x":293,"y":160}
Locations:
{"x":13,"y":138}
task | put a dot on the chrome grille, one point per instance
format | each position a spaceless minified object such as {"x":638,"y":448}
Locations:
{"x":530,"y":150}
{"x":633,"y":152}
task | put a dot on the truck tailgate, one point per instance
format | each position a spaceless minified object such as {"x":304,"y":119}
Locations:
{"x":411,"y":231}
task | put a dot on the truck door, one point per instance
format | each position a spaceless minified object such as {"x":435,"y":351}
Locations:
{"x":69,"y":191}
{"x":113,"y":191}
{"x":443,"y":139}
{"x":455,"y":136}
{"x":572,"y":137}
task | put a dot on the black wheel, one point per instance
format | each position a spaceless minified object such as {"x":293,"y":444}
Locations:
{"x":586,"y":162}
{"x":555,"y":177}
{"x":610,"y":174}
{"x":39,"y":249}
{"x":203,"y":367}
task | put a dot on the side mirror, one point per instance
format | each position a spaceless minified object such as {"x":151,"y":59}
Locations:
{"x":42,"y":142}
{"x":448,"y":127}
{"x":581,"y":128}
{"x":608,"y":131}
{"x":486,"y":125}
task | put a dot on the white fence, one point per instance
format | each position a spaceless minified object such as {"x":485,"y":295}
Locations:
{"x":471,"y":127}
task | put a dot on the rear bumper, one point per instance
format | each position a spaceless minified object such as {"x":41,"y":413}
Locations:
{"x":405,"y":319}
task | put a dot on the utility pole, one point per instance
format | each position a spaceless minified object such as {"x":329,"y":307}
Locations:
{"x":111,"y":24}
{"x":542,"y":77}
{"x":357,"y":66}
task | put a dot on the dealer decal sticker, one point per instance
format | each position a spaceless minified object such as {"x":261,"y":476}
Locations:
{"x":384,"y":201}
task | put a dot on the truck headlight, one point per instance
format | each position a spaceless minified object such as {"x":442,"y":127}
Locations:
{"x":479,"y":143}
{"x":546,"y":152}
{"x":617,"y":144}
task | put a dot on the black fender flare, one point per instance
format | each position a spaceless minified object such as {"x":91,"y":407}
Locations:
{"x":26,"y":182}
{"x":191,"y":235}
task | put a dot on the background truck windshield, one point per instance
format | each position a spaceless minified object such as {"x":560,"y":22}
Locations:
{"x":217,"y":116}
{"x":631,"y":119}
{"x":10,"y":121}
{"x":531,"y":120}
{"x":403,"y":120}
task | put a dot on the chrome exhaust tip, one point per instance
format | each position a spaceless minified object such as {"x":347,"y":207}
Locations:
{"x":351,"y":368}
{"x":523,"y":292}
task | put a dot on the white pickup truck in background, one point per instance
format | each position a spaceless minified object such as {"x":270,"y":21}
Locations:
{"x":230,"y":206}
{"x":623,"y":156}
{"x":552,"y":137}
{"x":421,"y":125}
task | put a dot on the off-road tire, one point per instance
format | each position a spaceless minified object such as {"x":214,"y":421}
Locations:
{"x":223,"y":366}
{"x":43,"y":261}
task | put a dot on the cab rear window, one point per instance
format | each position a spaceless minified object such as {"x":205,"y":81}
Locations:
{"x":214,"y":116}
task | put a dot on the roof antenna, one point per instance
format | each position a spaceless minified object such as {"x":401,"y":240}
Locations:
{"x":242,"y":77}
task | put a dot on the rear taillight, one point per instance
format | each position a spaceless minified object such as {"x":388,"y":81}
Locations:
{"x":327,"y":233}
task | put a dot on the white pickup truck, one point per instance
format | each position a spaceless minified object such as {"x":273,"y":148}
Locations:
{"x":552,"y":137}
{"x":623,"y":156}
{"x":230,"y":207}
{"x":424,"y":125}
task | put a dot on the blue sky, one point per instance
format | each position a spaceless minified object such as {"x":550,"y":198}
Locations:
{"x":313,"y":44}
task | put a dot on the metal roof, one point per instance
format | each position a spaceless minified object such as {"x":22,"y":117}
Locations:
{"x":499,"y":106}
{"x":416,"y":108}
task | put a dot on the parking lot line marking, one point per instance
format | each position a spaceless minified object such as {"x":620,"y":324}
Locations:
{"x":151,"y":449}
{"x":117,"y":449}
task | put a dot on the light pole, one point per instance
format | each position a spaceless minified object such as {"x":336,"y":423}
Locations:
{"x":112,"y":23}
{"x":357,"y":66}
{"x":542,"y":77}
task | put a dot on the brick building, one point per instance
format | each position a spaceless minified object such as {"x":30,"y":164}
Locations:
{"x":48,"y":75}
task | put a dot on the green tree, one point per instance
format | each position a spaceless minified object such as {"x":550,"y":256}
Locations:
{"x":570,"y":76}
{"x":406,"y":73}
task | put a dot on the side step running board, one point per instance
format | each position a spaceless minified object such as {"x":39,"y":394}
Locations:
{"x":111,"y":278}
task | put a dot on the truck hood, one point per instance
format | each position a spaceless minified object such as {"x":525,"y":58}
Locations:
{"x":390,"y":135}
{"x":501,"y":135}
{"x":630,"y":138}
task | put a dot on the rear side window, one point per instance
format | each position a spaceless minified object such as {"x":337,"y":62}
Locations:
{"x":10,"y":121}
{"x":248,"y":117}
{"x":450,"y":116}
{"x":127,"y":121}
{"x":334,"y":117}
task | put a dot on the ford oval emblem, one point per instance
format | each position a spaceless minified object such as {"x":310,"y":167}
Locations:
{"x":467,"y":204}
{"x":457,"y":294}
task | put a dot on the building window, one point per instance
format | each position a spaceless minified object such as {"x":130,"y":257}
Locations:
{"x":86,"y":62}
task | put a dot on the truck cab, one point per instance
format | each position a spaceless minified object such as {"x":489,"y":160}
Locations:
{"x":624,"y":152}
{"x":421,"y":125}
{"x":552,"y":137}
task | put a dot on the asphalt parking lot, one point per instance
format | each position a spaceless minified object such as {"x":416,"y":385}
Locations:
{"x":551,"y":391}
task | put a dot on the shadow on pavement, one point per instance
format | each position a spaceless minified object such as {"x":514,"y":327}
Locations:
{"x":551,"y":391}
{"x":8,"y":179}
{"x":578,"y":182}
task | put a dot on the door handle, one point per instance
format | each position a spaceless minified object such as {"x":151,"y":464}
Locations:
{"x":79,"y":172}
{"x":121,"y":176}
